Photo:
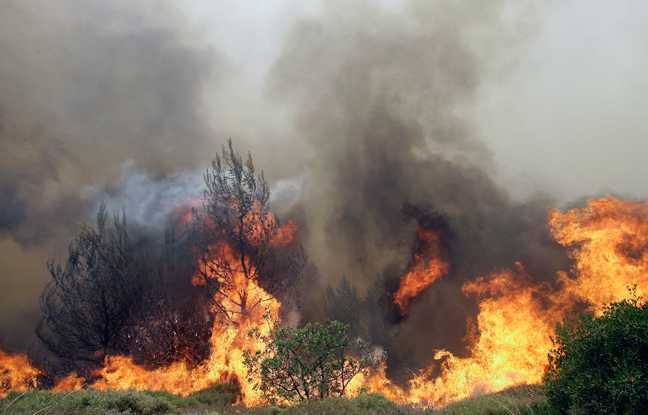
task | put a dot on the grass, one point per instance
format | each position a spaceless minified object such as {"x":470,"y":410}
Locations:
{"x":519,"y":400}
{"x":220,"y":399}
{"x":93,"y":402}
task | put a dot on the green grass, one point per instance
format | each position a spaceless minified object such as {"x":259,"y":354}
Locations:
{"x":220,"y":400}
{"x":93,"y":402}
{"x":519,"y":400}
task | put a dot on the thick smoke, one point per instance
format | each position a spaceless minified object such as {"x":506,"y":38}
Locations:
{"x":84,"y":87}
{"x":376,"y":98}
{"x":106,"y":102}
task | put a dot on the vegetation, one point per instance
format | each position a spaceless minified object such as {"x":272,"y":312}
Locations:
{"x":112,"y":402}
{"x":114,"y":295}
{"x":518,"y":400}
{"x":308,"y":363}
{"x":235,"y":236}
{"x":219,"y":399}
{"x":120,"y":292}
{"x":89,"y":303}
{"x":599,"y":365}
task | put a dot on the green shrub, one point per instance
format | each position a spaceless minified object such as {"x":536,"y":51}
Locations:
{"x":305,"y":364}
{"x":599,"y":365}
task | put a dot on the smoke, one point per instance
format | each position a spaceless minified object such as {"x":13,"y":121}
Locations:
{"x":376,"y":97}
{"x":362,"y":112}
{"x":84,"y":87}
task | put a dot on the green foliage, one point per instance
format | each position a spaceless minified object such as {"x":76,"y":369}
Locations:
{"x":224,"y":393}
{"x":308,"y":363}
{"x":88,"y":402}
{"x":91,"y":402}
{"x":599,"y":365}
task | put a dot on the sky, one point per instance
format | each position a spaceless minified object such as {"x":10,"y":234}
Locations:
{"x":128,"y":101}
{"x":568,"y":118}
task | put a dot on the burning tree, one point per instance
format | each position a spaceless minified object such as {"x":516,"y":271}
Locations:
{"x":245,"y":258}
{"x":88,"y":306}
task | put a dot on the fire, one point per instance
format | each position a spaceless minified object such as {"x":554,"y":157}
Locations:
{"x":509,"y":338}
{"x":428,"y":266}
{"x":510,"y":345}
{"x":224,"y":365}
{"x":609,"y":241}
{"x":243,"y":306}
{"x":16,"y":373}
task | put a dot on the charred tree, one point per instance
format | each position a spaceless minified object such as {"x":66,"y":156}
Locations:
{"x":89,"y":305}
{"x":177,"y":323}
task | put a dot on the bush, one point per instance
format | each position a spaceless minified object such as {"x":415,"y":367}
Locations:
{"x":599,"y":365}
{"x":303,"y":364}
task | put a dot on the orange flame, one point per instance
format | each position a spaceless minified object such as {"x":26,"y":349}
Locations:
{"x":517,"y":317}
{"x":16,"y":373}
{"x":247,"y":307}
{"x":428,"y":267}
{"x":509,"y":341}
{"x":609,"y":241}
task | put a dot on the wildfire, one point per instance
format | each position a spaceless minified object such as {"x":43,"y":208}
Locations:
{"x":609,"y":241}
{"x":16,"y":373}
{"x":509,"y":338}
{"x":244,"y":305}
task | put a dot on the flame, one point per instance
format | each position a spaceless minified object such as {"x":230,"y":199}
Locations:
{"x":608,"y":239}
{"x":16,"y":373}
{"x":225,"y":363}
{"x":509,"y":346}
{"x":244,"y":305}
{"x":428,"y":266}
{"x":509,"y":338}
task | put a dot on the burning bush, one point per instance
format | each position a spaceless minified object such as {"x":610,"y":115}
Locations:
{"x":599,"y":365}
{"x":305,"y":364}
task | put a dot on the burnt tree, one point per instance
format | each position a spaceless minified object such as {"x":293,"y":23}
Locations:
{"x":89,"y":304}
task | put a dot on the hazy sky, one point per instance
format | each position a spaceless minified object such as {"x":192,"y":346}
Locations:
{"x":570,"y":116}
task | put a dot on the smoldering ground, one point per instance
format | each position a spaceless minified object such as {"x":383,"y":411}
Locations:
{"x":363,"y":106}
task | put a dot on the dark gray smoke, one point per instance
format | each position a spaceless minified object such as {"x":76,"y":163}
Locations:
{"x":86,"y":86}
{"x":376,"y":97}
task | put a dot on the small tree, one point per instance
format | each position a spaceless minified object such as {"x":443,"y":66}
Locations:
{"x":308,"y":363}
{"x":599,"y":365}
{"x":237,"y":243}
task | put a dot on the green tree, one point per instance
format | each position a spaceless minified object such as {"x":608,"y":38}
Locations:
{"x":309,"y":363}
{"x":599,"y":365}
